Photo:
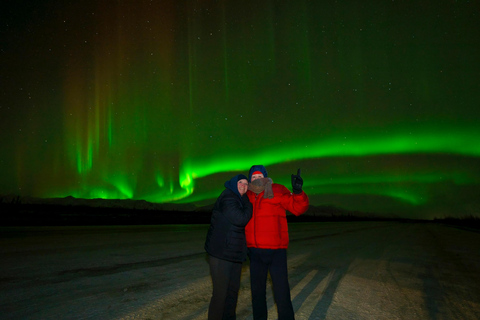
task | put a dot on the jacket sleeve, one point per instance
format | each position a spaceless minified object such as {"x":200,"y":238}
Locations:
{"x":295,"y":203}
{"x":237,"y":211}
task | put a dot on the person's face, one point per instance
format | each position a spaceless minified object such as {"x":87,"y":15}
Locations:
{"x":257,"y":176}
{"x":242,"y":186}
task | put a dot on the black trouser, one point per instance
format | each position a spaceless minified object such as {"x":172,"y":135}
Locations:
{"x":261,"y":262}
{"x":226,"y":283}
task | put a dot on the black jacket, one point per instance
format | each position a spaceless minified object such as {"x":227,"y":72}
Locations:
{"x":226,"y":235}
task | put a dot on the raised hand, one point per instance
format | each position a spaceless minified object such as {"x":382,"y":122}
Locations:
{"x":297,"y":183}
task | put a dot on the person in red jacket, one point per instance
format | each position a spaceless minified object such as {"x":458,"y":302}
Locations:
{"x":267,"y":238}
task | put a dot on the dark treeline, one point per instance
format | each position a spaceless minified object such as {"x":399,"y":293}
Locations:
{"x":60,"y":215}
{"x":16,"y":213}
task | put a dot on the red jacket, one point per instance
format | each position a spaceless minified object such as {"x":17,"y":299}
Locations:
{"x":268,"y":228}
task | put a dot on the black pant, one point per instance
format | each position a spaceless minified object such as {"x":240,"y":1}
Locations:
{"x":261,"y":262}
{"x":226,"y":283}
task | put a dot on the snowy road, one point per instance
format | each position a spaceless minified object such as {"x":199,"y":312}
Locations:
{"x":348,"y":270}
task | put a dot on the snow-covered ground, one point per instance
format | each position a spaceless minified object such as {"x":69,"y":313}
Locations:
{"x":347,"y":270}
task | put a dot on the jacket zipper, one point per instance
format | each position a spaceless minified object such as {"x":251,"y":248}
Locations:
{"x":255,"y":222}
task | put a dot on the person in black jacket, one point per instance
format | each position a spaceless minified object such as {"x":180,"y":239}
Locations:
{"x":227,"y":247}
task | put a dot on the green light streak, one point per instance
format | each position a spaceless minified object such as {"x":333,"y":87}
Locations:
{"x":404,"y":178}
{"x":461,"y":143}
{"x":183,"y":191}
{"x":170,"y":193}
{"x":84,"y":159}
{"x":393,"y":186}
{"x":123,"y":186}
{"x":456,"y":143}
{"x":109,"y":127}
{"x":379,"y":189}
{"x":101,"y":193}
{"x":160,"y":180}
{"x":195,"y":198}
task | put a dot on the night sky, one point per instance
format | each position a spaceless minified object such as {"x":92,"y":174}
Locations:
{"x":376,"y":101}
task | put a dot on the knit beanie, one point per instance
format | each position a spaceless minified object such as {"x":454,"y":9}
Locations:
{"x":255,"y":168}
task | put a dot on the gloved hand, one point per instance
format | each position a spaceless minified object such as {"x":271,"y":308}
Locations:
{"x":297,"y":183}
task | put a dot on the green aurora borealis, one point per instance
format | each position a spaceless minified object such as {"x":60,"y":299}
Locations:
{"x":163,"y":101}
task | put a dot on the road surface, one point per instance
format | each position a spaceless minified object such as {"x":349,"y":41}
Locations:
{"x":337,"y":270}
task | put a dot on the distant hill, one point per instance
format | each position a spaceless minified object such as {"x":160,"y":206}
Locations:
{"x":100,"y":203}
